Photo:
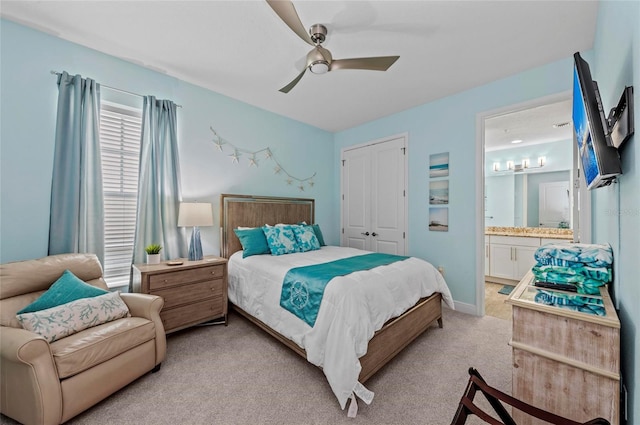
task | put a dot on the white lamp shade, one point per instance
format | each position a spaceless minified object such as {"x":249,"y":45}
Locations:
{"x":195,"y":214}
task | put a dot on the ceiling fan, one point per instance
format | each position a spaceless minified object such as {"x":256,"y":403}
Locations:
{"x":319,"y":59}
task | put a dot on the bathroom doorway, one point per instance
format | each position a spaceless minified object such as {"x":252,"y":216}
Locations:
{"x":526,"y":148}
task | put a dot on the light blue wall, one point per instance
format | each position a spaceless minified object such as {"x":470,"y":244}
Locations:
{"x":449,"y":125}
{"x":28,"y":102}
{"x":616,"y":209}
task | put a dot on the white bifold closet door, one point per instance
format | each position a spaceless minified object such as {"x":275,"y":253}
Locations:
{"x":373,"y":196}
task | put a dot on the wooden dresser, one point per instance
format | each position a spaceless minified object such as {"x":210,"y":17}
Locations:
{"x":193,"y":292}
{"x":564,"y":361}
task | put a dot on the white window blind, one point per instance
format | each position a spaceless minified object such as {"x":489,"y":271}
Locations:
{"x":120,"y":128}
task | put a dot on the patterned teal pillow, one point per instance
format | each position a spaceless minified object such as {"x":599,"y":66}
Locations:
{"x":306,"y":238}
{"x":318,"y":232}
{"x":66,"y":289}
{"x":58,"y":322}
{"x":281,"y":239}
{"x":253,"y":241}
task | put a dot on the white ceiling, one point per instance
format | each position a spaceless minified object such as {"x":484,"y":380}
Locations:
{"x":541,"y":124}
{"x":243,"y":50}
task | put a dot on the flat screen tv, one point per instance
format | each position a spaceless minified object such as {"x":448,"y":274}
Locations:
{"x":600,"y":161}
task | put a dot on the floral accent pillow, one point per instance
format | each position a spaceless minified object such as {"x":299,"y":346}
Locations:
{"x":281,"y":239}
{"x":306,"y":238}
{"x":58,"y":322}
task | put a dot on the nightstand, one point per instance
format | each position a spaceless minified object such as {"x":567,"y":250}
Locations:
{"x":193,"y":292}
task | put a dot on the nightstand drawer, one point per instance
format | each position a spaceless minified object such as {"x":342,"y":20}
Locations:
{"x":164,"y":280}
{"x":187,"y":315}
{"x":178,"y":295}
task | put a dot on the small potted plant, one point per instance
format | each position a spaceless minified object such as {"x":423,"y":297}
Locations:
{"x":153,"y":253}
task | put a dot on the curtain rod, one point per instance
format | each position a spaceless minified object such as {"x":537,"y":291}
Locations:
{"x":114,"y":89}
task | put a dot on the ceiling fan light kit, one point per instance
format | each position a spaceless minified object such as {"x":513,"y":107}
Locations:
{"x":319,"y":67}
{"x":319,"y":59}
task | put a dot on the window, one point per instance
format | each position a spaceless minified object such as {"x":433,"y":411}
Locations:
{"x":120,"y":128}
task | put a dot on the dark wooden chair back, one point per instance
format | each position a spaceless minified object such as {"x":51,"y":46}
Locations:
{"x":495,"y":398}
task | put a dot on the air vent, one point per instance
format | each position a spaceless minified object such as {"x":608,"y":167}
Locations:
{"x":561,"y":124}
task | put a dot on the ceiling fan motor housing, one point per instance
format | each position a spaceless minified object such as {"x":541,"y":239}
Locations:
{"x":318,"y":33}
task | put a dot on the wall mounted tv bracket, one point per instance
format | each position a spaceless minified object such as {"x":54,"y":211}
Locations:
{"x":620,"y":120}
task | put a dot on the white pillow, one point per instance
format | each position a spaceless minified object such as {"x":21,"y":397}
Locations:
{"x":58,"y":322}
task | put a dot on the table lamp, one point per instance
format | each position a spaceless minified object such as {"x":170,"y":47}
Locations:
{"x":195,"y":214}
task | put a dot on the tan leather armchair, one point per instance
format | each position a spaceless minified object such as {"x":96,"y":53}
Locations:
{"x":49,"y":383}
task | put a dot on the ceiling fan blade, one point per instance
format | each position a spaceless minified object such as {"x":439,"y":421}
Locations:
{"x":380,"y":63}
{"x":288,"y":87}
{"x":287,"y":12}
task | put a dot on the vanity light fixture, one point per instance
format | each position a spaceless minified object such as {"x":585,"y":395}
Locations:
{"x":525,"y":164}
{"x":515,"y":142}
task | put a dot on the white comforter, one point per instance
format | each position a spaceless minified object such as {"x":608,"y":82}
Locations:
{"x":354,"y":307}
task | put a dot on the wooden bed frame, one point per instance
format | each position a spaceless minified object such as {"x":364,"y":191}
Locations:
{"x":255,"y":211}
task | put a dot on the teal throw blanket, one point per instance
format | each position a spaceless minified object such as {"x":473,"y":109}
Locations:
{"x":583,"y":279}
{"x":574,"y":255}
{"x":303,"y":287}
{"x":572,"y":302}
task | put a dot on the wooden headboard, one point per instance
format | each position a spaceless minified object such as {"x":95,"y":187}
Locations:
{"x":255,"y":211}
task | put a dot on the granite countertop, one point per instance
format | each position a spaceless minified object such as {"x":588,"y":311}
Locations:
{"x":530,"y":232}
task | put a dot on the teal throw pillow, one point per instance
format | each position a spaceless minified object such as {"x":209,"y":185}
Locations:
{"x":306,"y":238}
{"x":66,"y":289}
{"x":318,"y":232}
{"x":281,"y":240}
{"x":253,"y":241}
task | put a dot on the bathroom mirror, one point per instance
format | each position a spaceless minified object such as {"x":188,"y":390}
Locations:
{"x":528,"y":200}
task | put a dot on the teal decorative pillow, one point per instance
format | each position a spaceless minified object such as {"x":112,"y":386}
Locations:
{"x":253,"y":241}
{"x":281,"y":239}
{"x":66,"y":289}
{"x":306,"y":238}
{"x":318,"y":232}
{"x":58,"y":322}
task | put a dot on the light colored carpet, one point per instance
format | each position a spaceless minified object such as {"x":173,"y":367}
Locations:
{"x":240,"y":375}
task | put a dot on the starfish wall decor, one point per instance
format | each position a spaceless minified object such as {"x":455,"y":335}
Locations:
{"x":253,"y":158}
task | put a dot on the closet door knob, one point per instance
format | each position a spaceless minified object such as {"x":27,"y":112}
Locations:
{"x":374,"y":234}
{"x":366,"y":234}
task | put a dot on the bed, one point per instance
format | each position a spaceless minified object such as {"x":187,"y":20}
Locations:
{"x":252,"y":294}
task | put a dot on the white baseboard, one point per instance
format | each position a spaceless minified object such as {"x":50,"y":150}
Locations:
{"x":464,"y":308}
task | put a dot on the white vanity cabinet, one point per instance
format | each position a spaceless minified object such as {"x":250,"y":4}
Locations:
{"x":510,"y":257}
